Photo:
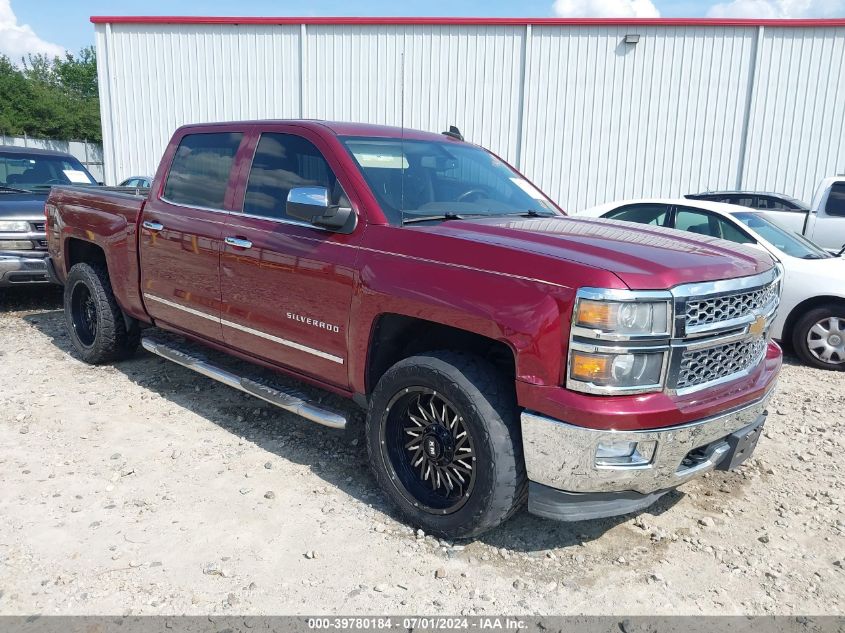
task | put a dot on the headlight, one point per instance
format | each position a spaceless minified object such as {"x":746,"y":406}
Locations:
{"x":627,"y":318}
{"x":619,"y":341}
{"x":14,"y":227}
{"x":618,"y":370}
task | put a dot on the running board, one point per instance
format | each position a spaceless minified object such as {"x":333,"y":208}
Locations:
{"x":284,"y":400}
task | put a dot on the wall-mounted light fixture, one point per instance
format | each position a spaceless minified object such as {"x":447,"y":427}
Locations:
{"x":632,"y":38}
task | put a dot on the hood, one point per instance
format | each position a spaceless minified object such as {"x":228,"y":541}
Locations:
{"x":22,"y":206}
{"x":643,"y":257}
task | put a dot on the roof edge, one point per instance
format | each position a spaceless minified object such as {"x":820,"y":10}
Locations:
{"x":450,"y":21}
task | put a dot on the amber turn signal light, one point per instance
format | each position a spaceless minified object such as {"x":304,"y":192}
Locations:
{"x":590,"y":367}
{"x":596,"y":314}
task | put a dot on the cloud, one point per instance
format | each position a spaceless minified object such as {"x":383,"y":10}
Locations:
{"x":19,"y":40}
{"x":778,"y":9}
{"x":606,"y":9}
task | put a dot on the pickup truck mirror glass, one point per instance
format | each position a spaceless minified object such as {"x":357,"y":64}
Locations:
{"x":311,"y":204}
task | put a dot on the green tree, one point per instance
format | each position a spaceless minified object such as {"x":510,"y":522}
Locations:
{"x":56,"y":98}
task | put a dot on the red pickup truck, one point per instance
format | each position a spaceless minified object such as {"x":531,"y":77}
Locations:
{"x":501,"y":350}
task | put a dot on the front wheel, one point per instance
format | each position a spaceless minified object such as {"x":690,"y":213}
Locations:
{"x":444,"y":443}
{"x":819,"y":337}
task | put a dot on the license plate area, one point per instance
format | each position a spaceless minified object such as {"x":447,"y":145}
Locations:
{"x":742,"y":444}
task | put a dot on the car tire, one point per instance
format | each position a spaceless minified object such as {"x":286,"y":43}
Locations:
{"x":451,"y":394}
{"x":819,"y":334}
{"x":95,"y":322}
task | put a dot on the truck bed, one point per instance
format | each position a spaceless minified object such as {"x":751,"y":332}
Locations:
{"x":106,"y":217}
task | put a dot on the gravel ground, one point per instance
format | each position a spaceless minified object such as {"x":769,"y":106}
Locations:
{"x":142,"y":488}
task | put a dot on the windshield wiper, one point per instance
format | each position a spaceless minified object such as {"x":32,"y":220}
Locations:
{"x":14,"y":189}
{"x":430,"y":218}
{"x":531,"y":213}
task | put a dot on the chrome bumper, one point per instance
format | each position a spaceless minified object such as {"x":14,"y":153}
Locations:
{"x":26,"y":268}
{"x":562,"y":456}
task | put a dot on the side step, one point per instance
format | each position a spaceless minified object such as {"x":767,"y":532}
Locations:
{"x":288,"y":401}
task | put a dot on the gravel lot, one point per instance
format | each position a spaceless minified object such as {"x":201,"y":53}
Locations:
{"x":143,"y":488}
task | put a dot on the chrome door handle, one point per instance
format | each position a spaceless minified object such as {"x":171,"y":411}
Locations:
{"x":153,"y":226}
{"x":239,"y":242}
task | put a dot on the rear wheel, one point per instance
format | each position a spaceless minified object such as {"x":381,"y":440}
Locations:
{"x":819,"y":337}
{"x":94,"y":321}
{"x":444,"y":442}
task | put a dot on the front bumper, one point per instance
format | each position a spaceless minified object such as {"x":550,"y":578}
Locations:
{"x":562,"y":457}
{"x":24,"y":268}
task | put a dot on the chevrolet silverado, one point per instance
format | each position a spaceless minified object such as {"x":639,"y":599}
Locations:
{"x":502,"y":350}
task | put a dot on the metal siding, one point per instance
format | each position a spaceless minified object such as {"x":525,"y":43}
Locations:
{"x":797,"y":122}
{"x":587,"y":117}
{"x":159,"y":77}
{"x":353,"y":73}
{"x":608,"y":120}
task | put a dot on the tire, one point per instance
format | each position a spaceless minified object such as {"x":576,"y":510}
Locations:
{"x":476,"y":398}
{"x":94,"y":321}
{"x":811,"y":329}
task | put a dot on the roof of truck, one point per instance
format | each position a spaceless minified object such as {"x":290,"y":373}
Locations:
{"x":344,"y":128}
{"x":15,"y":149}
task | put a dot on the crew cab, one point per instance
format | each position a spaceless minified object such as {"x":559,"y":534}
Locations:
{"x":26,"y":175}
{"x":501,"y":350}
{"x":822,"y":221}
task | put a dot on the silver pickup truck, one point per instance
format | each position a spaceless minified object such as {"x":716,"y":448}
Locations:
{"x":26,"y":175}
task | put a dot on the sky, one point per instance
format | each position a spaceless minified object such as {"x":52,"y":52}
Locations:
{"x":53,"y":26}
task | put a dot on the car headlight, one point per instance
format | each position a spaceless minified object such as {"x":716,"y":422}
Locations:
{"x":619,"y":341}
{"x":14,"y":227}
{"x":617,"y":370}
{"x":625,"y":318}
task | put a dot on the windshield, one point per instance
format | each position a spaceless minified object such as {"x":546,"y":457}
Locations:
{"x":28,"y":172}
{"x":790,"y":243}
{"x":414,"y":180}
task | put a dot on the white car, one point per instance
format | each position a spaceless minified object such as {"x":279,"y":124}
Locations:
{"x":811,"y":317}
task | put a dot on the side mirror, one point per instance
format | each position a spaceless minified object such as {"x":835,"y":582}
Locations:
{"x":311,"y":204}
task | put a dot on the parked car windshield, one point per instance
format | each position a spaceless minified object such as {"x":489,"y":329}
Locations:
{"x":417,"y":180}
{"x":790,"y":243}
{"x":19,"y":170}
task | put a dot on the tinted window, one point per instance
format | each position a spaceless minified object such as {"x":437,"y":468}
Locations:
{"x":745,"y":201}
{"x":200,"y":169}
{"x":641,"y":213}
{"x":773,"y":204}
{"x":282,"y":162}
{"x":836,"y":200}
{"x":705,"y":223}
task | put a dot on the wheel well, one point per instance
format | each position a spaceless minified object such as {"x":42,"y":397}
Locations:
{"x":801,"y":309}
{"x":78,"y":251}
{"x":396,"y":337}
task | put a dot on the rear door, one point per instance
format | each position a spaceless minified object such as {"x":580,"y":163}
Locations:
{"x":181,"y":232}
{"x":287,"y":285}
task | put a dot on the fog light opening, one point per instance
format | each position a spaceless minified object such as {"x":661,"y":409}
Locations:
{"x":624,"y":453}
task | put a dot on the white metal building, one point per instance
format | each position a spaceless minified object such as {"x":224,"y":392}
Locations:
{"x":581,"y":108}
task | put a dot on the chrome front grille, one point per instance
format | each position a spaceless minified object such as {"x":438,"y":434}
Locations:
{"x":703,"y":366}
{"x":712,"y":310}
{"x":722,"y":330}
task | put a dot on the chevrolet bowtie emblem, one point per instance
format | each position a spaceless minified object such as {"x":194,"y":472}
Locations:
{"x":758,"y":326}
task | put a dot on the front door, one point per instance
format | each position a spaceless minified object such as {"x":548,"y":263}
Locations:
{"x":287,"y":285}
{"x":181,"y":234}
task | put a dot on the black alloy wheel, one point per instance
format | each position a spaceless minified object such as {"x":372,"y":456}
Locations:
{"x":83,"y":313}
{"x":430,"y":450}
